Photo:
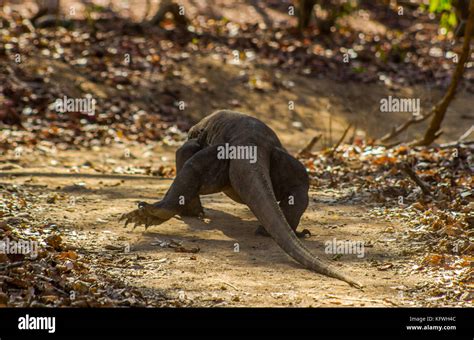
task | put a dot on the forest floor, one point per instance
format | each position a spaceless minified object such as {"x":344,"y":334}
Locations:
{"x":259,"y":274}
{"x":66,"y":179}
{"x":218,"y":261}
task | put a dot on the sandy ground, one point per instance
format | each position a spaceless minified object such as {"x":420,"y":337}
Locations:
{"x":96,"y":186}
{"x":84,"y":192}
{"x":233,"y":267}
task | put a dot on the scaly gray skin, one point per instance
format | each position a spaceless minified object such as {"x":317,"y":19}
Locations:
{"x":275,"y":177}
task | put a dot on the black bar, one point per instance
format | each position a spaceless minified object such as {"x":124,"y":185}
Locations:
{"x":196,"y":323}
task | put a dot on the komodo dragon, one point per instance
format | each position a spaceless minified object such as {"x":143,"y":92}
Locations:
{"x":274,"y":176}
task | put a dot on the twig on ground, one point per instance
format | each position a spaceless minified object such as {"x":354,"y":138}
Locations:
{"x":354,"y":133}
{"x":466,"y":134}
{"x":399,"y":129}
{"x":409,"y":171}
{"x":230,"y":285}
{"x":340,"y":140}
{"x":456,"y":144}
{"x":306,"y":151}
{"x":11,"y":265}
{"x":460,"y":141}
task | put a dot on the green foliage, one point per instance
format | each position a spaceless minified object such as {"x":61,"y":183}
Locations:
{"x":446,"y":9}
{"x":439,"y":6}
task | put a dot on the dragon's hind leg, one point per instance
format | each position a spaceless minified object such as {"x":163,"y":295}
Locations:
{"x":290,"y":184}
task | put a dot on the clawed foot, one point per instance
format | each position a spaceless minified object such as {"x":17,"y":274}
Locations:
{"x":146,"y":215}
{"x":301,"y":234}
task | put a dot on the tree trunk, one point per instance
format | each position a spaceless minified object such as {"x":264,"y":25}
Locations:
{"x":305,"y":9}
{"x":433,"y":130}
{"x":462,"y":13}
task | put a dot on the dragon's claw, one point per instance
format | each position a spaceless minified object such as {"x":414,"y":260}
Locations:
{"x":142,"y":216}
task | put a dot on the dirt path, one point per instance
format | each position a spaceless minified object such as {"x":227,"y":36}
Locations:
{"x":84,"y":192}
{"x":88,"y":191}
